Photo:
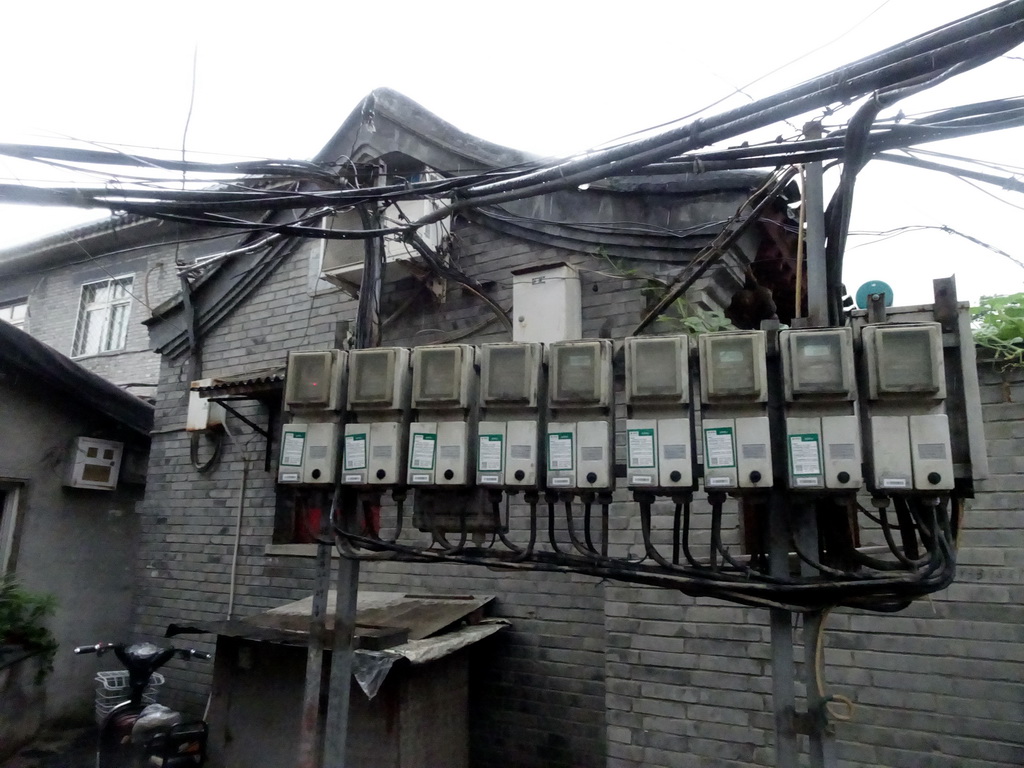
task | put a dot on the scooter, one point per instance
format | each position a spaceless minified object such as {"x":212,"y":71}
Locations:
{"x":130,"y":739}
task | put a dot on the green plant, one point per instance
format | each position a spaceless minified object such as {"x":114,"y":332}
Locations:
{"x":998,"y":324}
{"x":23,"y":617}
{"x":680,"y":316}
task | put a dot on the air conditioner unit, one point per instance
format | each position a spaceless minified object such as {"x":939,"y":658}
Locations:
{"x":342,"y":262}
{"x":94,"y":464}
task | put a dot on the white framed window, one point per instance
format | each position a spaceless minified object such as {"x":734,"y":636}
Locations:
{"x":15,"y":313}
{"x":103,"y":317}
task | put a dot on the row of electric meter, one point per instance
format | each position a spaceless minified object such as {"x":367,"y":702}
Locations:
{"x":526,"y":415}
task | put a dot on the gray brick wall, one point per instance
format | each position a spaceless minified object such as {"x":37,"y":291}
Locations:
{"x":939,"y":685}
{"x":539,"y":688}
{"x":594,"y":673}
{"x":54,"y":296}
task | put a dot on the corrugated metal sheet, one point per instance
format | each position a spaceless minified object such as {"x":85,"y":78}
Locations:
{"x":419,"y":615}
{"x":262,"y":381}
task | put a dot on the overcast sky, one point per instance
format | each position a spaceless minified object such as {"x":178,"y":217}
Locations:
{"x":276,"y":80}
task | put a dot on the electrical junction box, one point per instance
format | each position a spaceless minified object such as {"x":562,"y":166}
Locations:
{"x":823,"y":445}
{"x":315,"y":381}
{"x":659,"y":453}
{"x":94,"y":464}
{"x":907,"y":422}
{"x":734,"y":431}
{"x":373,"y":453}
{"x":376,"y":427}
{"x":203,"y":415}
{"x":579,"y":436}
{"x":444,"y":390}
{"x":438,"y":453}
{"x":546,"y":305}
{"x":309,"y":453}
{"x":508,"y":433}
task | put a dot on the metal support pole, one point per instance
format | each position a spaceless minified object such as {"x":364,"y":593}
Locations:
{"x":342,"y":656}
{"x":821,"y":740}
{"x":813,"y":202}
{"x":367,"y":334}
{"x":783,"y":667}
{"x":311,"y":728}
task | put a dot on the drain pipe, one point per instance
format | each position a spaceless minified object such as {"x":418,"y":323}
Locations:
{"x":238,"y":536}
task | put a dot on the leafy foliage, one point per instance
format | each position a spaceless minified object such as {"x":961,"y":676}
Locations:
{"x":686,"y":318}
{"x":999,"y":327}
{"x":23,"y":617}
{"x":678,"y":317}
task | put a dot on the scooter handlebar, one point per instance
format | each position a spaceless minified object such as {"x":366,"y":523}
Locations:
{"x":99,"y":648}
{"x":192,"y":653}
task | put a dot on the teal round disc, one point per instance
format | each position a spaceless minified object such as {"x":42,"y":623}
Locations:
{"x":871,"y":287}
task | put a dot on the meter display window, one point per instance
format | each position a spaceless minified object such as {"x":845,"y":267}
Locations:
{"x":733,"y":367}
{"x":905,"y":360}
{"x":372,"y":376}
{"x":818,"y":364}
{"x":657,"y":371}
{"x":507,"y":378}
{"x":309,"y":379}
{"x":437,"y":375}
{"x":576,"y":374}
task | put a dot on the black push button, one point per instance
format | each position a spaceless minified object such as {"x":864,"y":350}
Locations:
{"x":316,"y":474}
{"x":381,"y":474}
{"x":675,"y":476}
{"x":934,"y":478}
{"x":591,"y":477}
{"x":755,"y":476}
{"x":519,"y":475}
{"x":843,"y":477}
{"x":448,"y":474}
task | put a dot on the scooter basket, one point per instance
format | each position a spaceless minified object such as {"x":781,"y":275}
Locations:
{"x":112,"y":689}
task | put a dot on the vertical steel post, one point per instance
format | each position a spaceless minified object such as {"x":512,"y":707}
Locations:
{"x":311,"y":725}
{"x":367,"y":334}
{"x":814,"y":240}
{"x":783,"y":667}
{"x":822,"y":746}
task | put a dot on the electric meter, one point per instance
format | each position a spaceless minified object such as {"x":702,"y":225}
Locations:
{"x":822,"y":429}
{"x":510,"y":374}
{"x":905,"y":360}
{"x":441,"y":376}
{"x":377,"y":379}
{"x":733,"y":366}
{"x":376,"y":432}
{"x":735,"y":432}
{"x":659,"y":454}
{"x":315,"y":380}
{"x":818,"y":363}
{"x":579,"y":436}
{"x":580,"y":374}
{"x":443,"y":392}
{"x":657,"y":369}
{"x":910,"y":440}
{"x":508,"y":434}
{"x":309,"y":453}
